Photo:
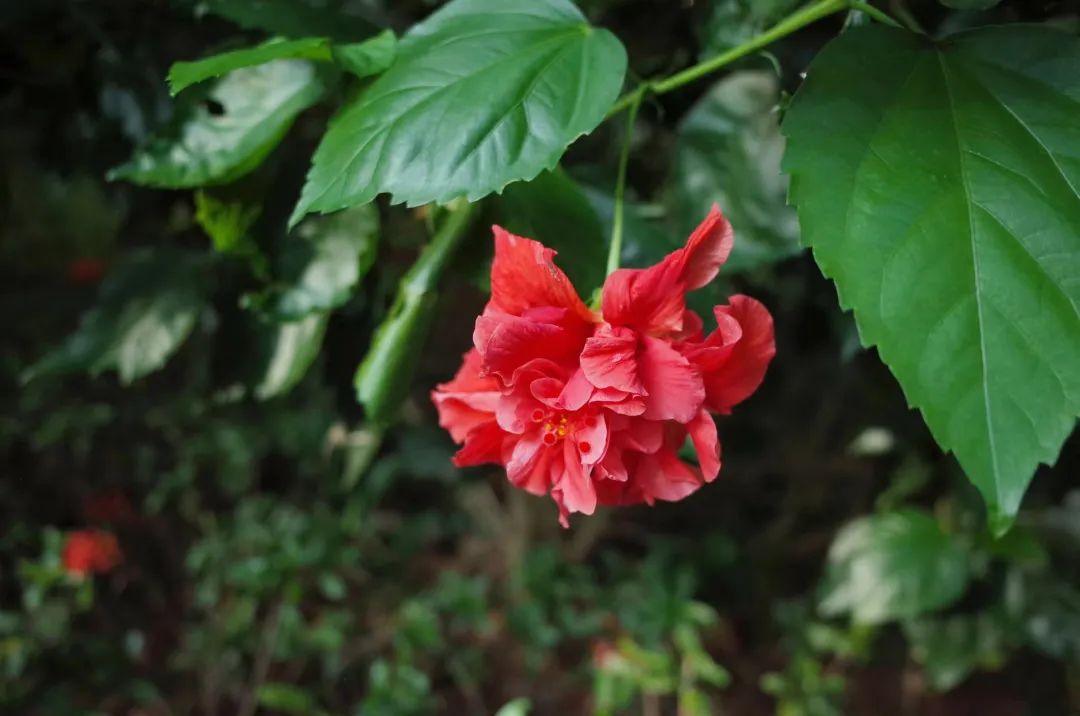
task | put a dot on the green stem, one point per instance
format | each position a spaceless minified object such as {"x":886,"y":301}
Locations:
{"x":795,"y":21}
{"x":792,"y":23}
{"x":633,"y":99}
{"x":425,"y":272}
{"x":615,"y":249}
{"x":873,"y":12}
{"x":382,"y":380}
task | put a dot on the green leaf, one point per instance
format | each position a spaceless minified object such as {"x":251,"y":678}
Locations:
{"x":892,"y":566}
{"x":728,"y":152}
{"x":332,"y":586}
{"x":518,"y":707}
{"x":227,"y":223}
{"x":554,"y":210}
{"x":335,"y":19}
{"x":951,"y":649}
{"x":287,"y":351}
{"x":369,"y":57}
{"x":185,"y":74}
{"x":362,"y":59}
{"x":482,"y":93}
{"x":322,"y":262}
{"x":149,"y":305}
{"x":1046,"y":608}
{"x":286,"y":698}
{"x":258,"y":105}
{"x":937,"y":185}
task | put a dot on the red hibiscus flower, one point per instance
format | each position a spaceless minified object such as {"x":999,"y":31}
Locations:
{"x":89,"y":551}
{"x":593,"y":408}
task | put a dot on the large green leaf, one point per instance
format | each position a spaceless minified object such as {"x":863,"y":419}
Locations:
{"x":361,"y":58}
{"x":257,"y":106}
{"x":892,"y":566}
{"x":149,"y":305}
{"x":337,"y":19}
{"x":728,"y":152}
{"x":322,"y":262}
{"x":553,"y":209}
{"x":483,"y":93}
{"x":937,"y":185}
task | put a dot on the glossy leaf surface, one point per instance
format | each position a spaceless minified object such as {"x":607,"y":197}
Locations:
{"x":937,"y":184}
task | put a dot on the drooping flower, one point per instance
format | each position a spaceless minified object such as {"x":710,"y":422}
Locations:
{"x":89,"y":551}
{"x":594,"y":407}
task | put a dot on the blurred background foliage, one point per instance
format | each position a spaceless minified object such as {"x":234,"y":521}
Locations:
{"x":178,"y":370}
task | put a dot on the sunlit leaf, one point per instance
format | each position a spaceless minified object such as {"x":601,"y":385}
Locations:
{"x":322,"y":261}
{"x":149,"y":305}
{"x":245,"y":116}
{"x":482,"y":93}
{"x":892,"y":566}
{"x":288,"y":350}
{"x":517,"y":707}
{"x":937,"y":183}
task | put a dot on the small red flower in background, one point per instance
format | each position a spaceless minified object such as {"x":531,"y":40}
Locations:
{"x":86,"y":271}
{"x":594,"y":408}
{"x":89,"y":551}
{"x":107,"y":507}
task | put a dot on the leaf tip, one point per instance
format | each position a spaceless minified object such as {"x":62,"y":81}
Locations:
{"x":999,"y":521}
{"x":297,"y":215}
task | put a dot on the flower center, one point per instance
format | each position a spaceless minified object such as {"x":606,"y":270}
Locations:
{"x":556,"y":425}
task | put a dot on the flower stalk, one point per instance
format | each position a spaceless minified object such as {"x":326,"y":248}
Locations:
{"x":615,"y":248}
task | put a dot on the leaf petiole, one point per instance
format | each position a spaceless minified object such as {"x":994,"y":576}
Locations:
{"x":792,"y":23}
